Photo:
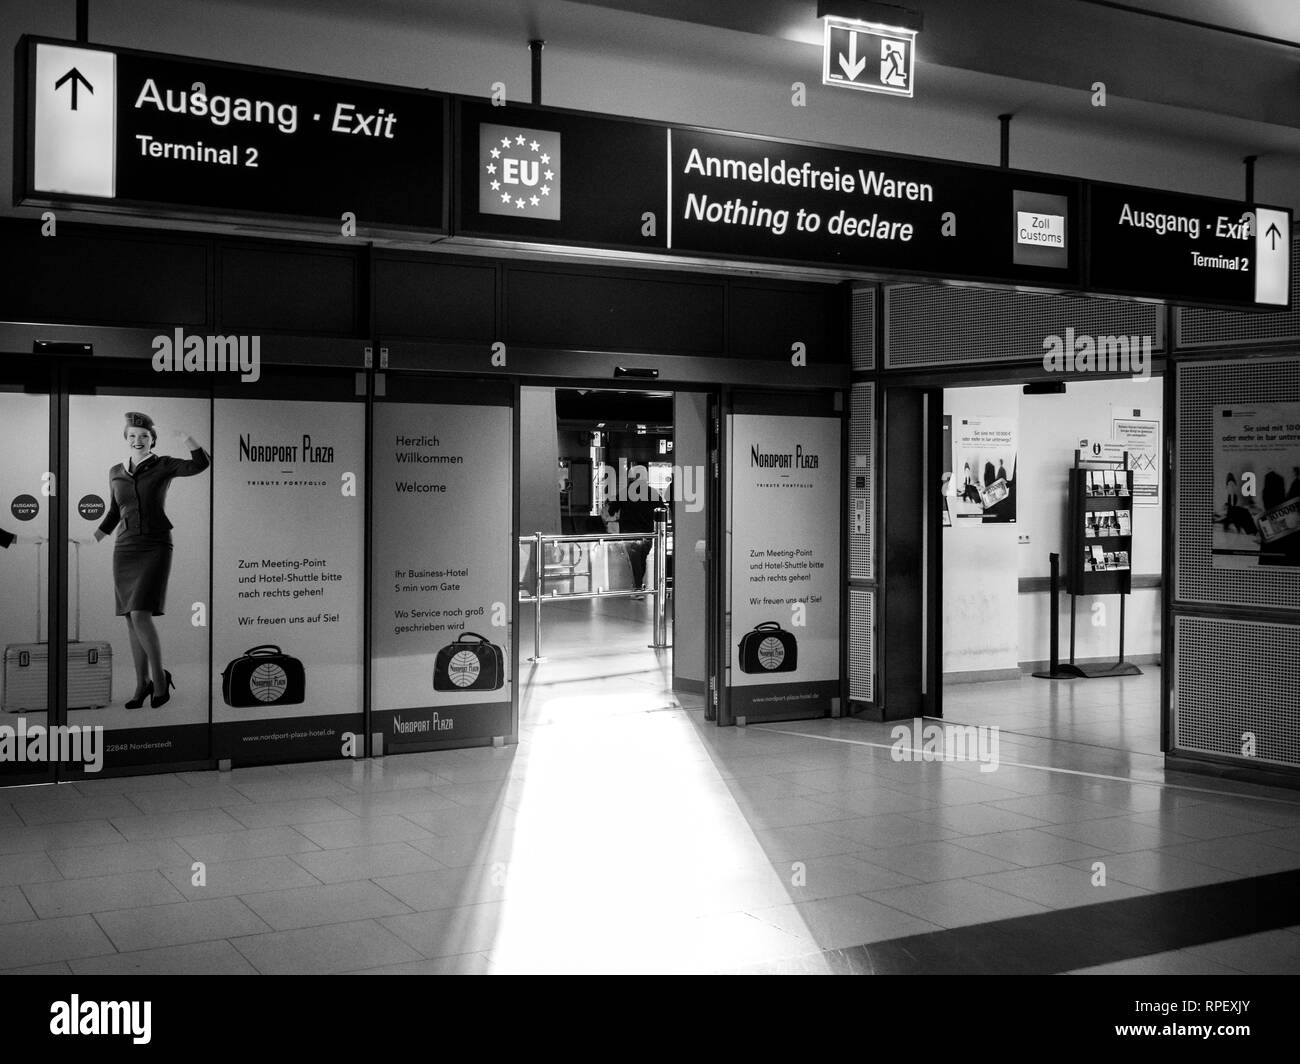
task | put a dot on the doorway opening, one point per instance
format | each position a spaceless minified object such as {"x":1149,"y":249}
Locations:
{"x":1018,"y":467}
{"x":612,"y":608}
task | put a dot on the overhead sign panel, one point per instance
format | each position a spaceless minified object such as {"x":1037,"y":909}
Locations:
{"x":867,"y":57}
{"x":128,"y":129}
{"x":739,"y":196}
{"x":1188,"y":249}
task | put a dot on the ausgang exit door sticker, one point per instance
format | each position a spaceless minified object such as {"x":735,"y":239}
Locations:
{"x":519,"y":171}
{"x":75,"y":109}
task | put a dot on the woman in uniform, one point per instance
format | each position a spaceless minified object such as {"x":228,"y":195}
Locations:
{"x":142,"y":555}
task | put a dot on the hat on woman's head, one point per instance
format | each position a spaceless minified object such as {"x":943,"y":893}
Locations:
{"x":137,"y":420}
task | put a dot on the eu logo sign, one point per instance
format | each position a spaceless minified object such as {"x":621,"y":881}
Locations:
{"x":519,"y":172}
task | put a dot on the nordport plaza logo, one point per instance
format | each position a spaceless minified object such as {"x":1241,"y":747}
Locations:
{"x":179,"y":353}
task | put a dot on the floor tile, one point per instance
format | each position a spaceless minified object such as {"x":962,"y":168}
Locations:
{"x":95,"y":894}
{"x":362,"y":831}
{"x":438,"y":933}
{"x":1059,"y":886}
{"x":225,"y":878}
{"x":957,"y":903}
{"x":930,"y":862}
{"x":174,"y":825}
{"x":59,"y":939}
{"x":121,"y":856}
{"x":325,"y":950}
{"x":367,"y":862}
{"x":836,"y":923}
{"x":19,"y":868}
{"x":210,"y":958}
{"x":1269,"y":953}
{"x":241,"y":845}
{"x":14,"y":907}
{"x":158,"y":926}
{"x":333,"y":903}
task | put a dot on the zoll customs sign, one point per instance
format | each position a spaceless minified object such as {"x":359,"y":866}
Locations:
{"x":122,"y":130}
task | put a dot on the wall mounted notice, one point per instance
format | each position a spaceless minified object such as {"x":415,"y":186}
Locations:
{"x":1256,"y":500}
{"x":442,"y":573}
{"x":983,"y":487}
{"x":1139,"y":436}
{"x":783,"y":531}
{"x":288,"y":513}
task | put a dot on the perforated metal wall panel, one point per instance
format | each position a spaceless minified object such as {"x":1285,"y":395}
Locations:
{"x":862,"y":482}
{"x":862,"y":644}
{"x":1201,"y":327}
{"x":938,"y":325}
{"x":1203,"y":386}
{"x":1234,"y":678}
{"x":864,"y":328}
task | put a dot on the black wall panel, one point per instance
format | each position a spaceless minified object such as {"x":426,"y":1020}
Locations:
{"x":589,"y":311}
{"x":766,"y":320}
{"x":419,"y":298}
{"x":272,"y":289}
{"x":101,"y":278}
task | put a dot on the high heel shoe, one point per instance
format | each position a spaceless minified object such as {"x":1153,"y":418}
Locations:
{"x":157,"y":701}
{"x":145,"y":692}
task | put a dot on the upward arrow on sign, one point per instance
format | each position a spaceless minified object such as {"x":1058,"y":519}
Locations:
{"x":1272,"y":232}
{"x":76,"y":77}
{"x":852,"y":66}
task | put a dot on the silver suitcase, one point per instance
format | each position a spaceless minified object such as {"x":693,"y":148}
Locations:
{"x":24,"y":687}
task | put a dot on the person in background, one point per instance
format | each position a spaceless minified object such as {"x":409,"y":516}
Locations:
{"x":142,"y":554}
{"x":637,"y":516}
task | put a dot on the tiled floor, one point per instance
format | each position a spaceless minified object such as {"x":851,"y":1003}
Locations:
{"x":625,"y":834}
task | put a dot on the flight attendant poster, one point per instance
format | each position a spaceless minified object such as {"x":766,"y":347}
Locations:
{"x":442,"y":560}
{"x":139,"y":495}
{"x":288,"y":514}
{"x":783,"y":527}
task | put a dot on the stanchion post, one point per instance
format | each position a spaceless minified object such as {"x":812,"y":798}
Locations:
{"x":538,"y":563}
{"x":661,"y":585}
{"x":1055,"y":670}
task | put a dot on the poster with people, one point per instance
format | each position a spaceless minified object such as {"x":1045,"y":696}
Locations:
{"x":982,"y":488}
{"x":138,"y":529}
{"x":442,"y":556}
{"x":288,"y":516}
{"x":1255,"y":512}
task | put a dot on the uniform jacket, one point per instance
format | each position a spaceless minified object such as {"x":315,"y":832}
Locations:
{"x":139,"y":499}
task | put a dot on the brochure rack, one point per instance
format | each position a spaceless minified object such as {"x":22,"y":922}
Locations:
{"x":1100,"y":549}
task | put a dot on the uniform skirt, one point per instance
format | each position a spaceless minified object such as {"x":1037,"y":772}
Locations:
{"x":141,"y":566}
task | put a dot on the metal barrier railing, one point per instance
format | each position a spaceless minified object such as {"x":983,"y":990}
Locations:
{"x":566,"y":565}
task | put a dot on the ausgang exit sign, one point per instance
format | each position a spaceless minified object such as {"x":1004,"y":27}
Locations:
{"x":865,"y":56}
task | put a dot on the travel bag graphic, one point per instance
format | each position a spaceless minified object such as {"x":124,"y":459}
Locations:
{"x":27,"y":665}
{"x":469,"y":664}
{"x":769,"y":648}
{"x":263,"y":676}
